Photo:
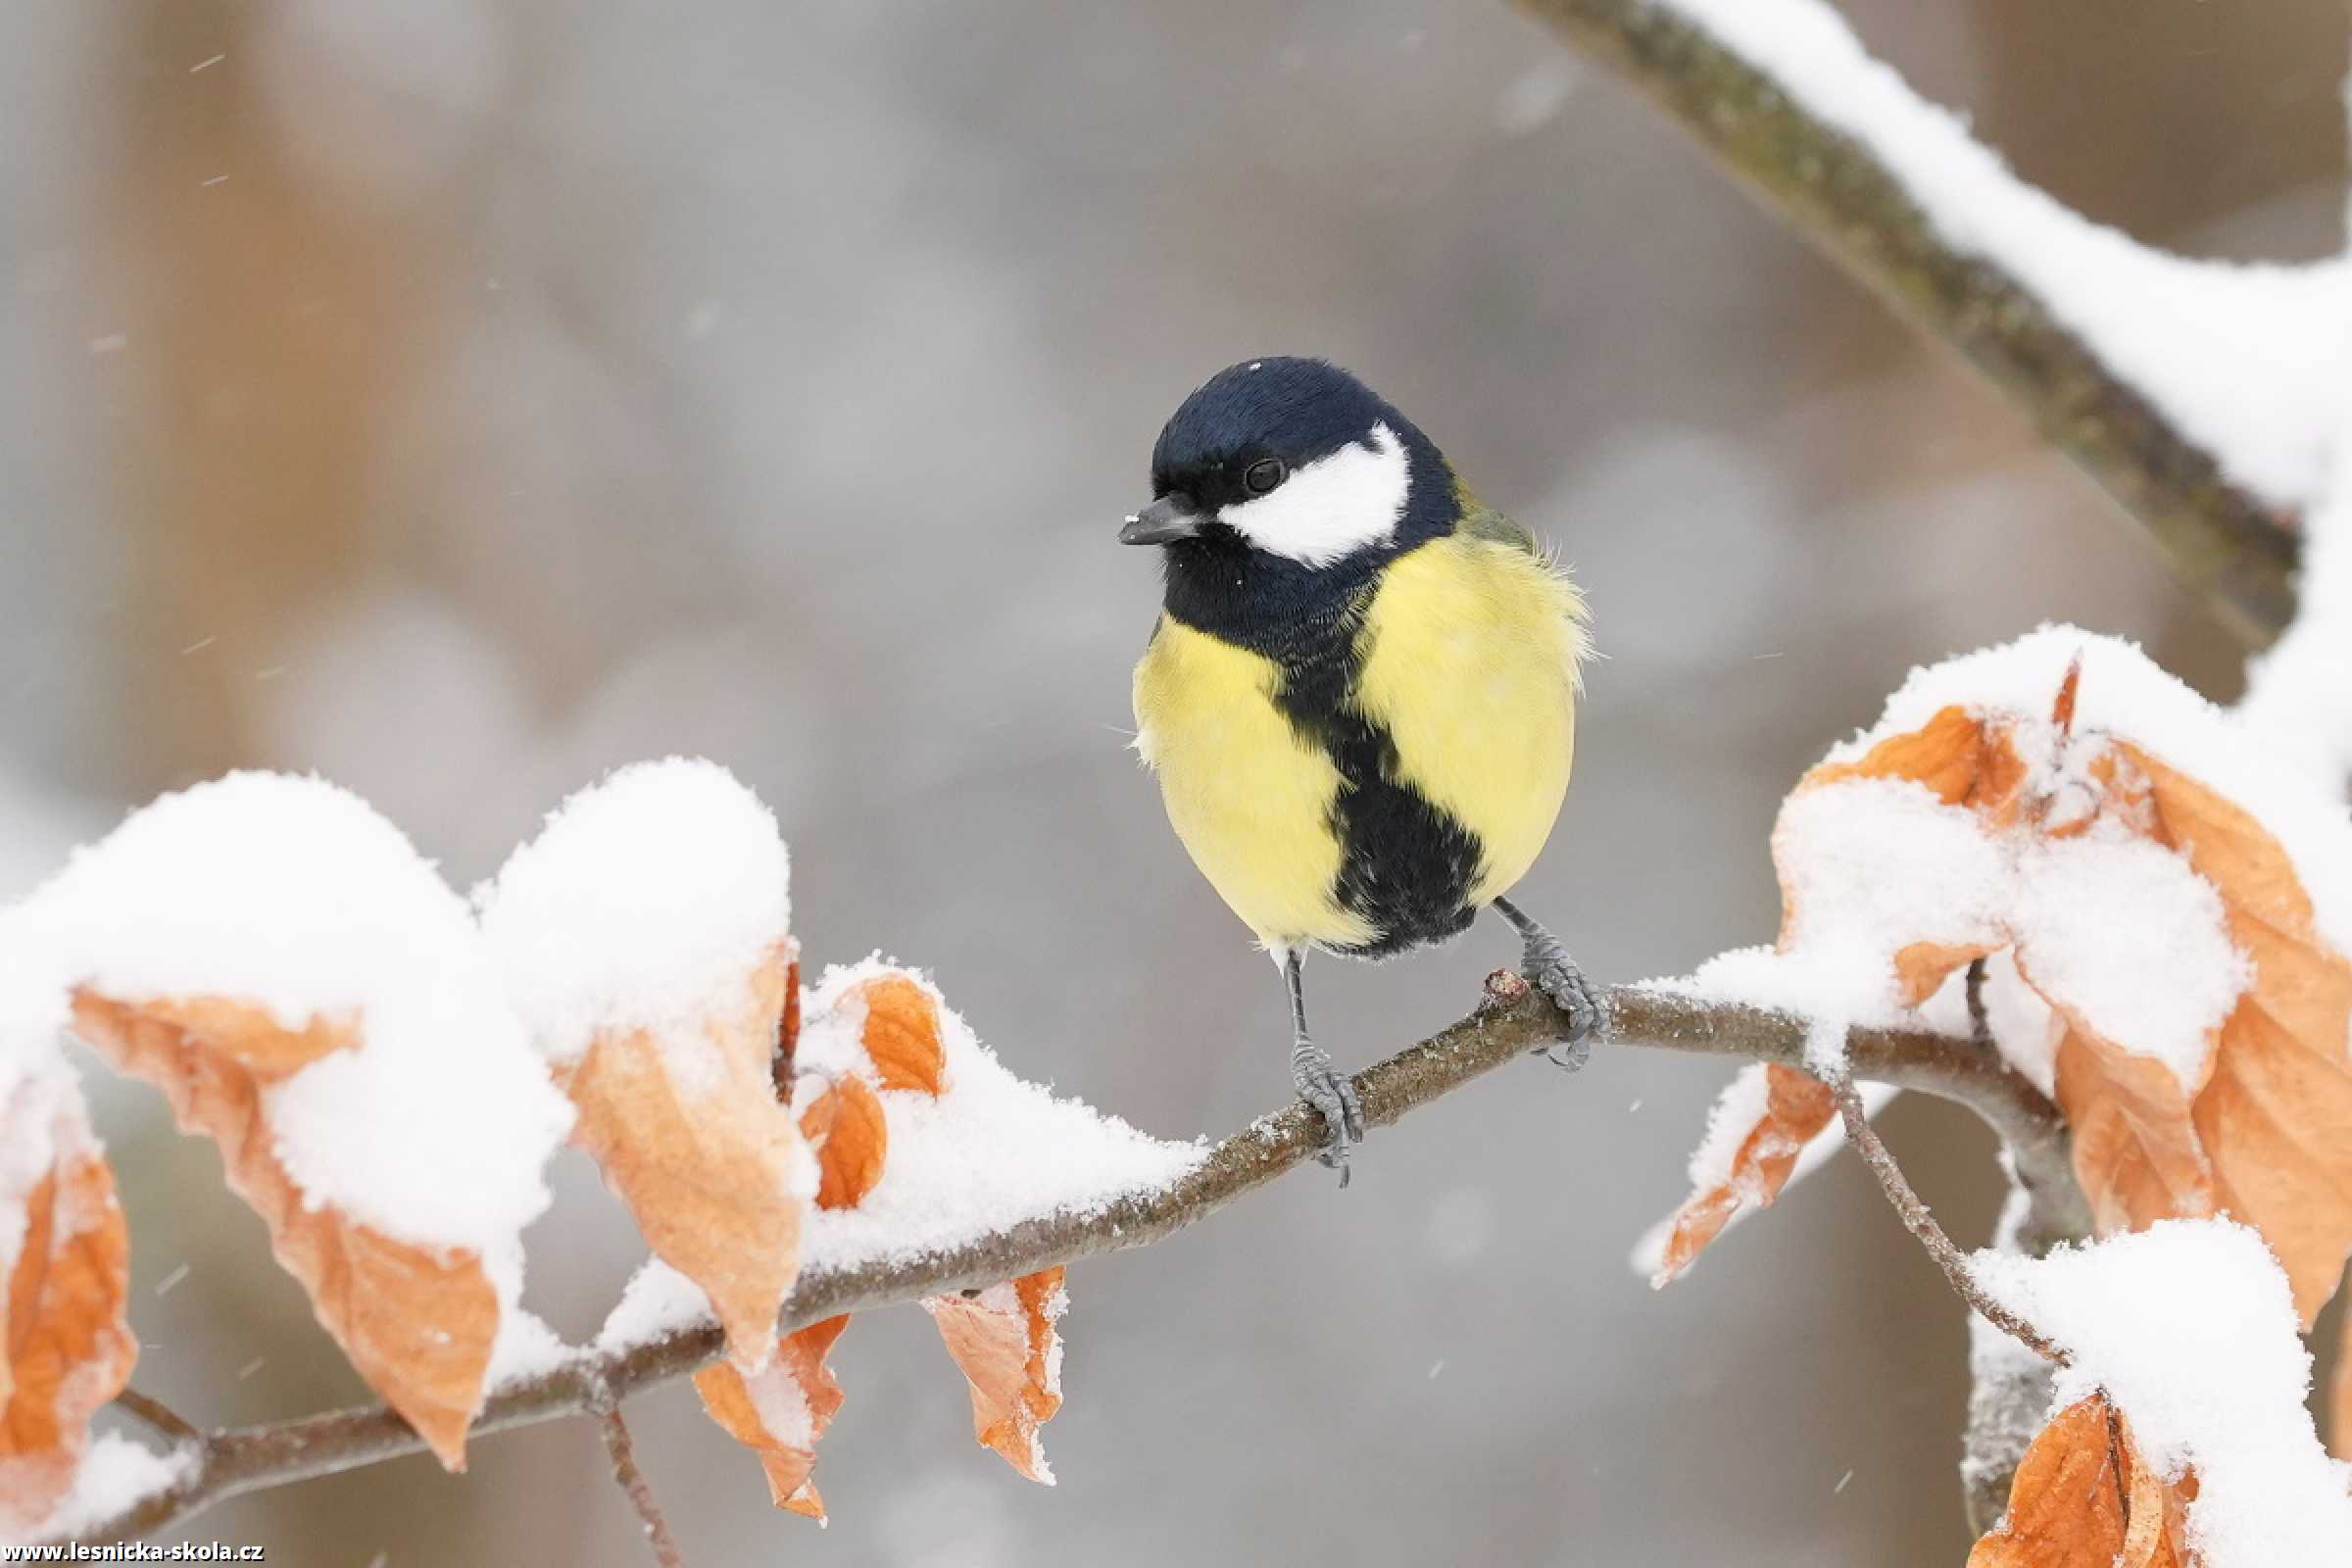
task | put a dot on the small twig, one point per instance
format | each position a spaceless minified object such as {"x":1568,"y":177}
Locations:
{"x":1980,"y":1022}
{"x":160,"y":1417}
{"x":632,"y":1480}
{"x":1922,"y":1224}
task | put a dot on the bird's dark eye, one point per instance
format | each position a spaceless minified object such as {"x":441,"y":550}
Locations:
{"x":1264,"y":474}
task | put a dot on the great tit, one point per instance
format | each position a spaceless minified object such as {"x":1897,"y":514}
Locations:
{"x":1360,"y":696}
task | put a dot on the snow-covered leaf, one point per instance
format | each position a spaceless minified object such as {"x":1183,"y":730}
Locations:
{"x":708,"y":1163}
{"x":66,"y":1346}
{"x":1755,"y":1135}
{"x":2189,"y":1331}
{"x":304,"y":989}
{"x":781,"y":1410}
{"x":418,"y":1322}
{"x":2085,"y":1499}
{"x":2180,"y":902}
{"x":1006,"y":1340}
{"x":2275,"y":1116}
{"x":643,"y":934}
{"x":983,"y":1152}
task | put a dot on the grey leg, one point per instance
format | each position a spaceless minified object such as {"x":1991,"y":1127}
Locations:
{"x":1550,"y":970}
{"x":1329,"y":1091}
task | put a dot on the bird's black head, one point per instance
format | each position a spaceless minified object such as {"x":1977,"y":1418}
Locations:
{"x":1280,"y":488}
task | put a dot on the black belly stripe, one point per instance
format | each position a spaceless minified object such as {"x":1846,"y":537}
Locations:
{"x":1407,"y":867}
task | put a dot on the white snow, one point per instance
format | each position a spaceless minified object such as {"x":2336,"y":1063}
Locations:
{"x":40,"y":1110}
{"x":657,"y":1300}
{"x":32,"y":1008}
{"x":2191,"y":1330}
{"x":1868,"y":866}
{"x":2023,"y":1024}
{"x":1834,"y":846}
{"x":2247,"y":360}
{"x":646,"y":901}
{"x":2116,"y":928}
{"x":782,"y":1405}
{"x":526,"y":1348}
{"x":2299,"y":695}
{"x":295,"y":896}
{"x":993,"y":1149}
{"x":2122,"y":932}
{"x":2124,"y":693}
{"x":115,"y":1473}
{"x":2134,"y":940}
{"x":1734,"y":1115}
{"x":1728,"y":1121}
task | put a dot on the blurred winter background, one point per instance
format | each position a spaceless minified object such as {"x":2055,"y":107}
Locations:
{"x":459,"y":399}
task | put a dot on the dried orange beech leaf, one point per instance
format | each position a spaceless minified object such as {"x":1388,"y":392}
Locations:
{"x":846,"y":1127}
{"x":788,"y":1032}
{"x":780,"y":1411}
{"x":1005,"y":1341}
{"x":2266,"y":1132}
{"x":1795,"y":1106}
{"x":703,"y":1155}
{"x":2083,"y":1499}
{"x":1960,"y":760}
{"x":901,"y":1034}
{"x":2276,"y":1115}
{"x":418,"y":1323}
{"x":66,"y":1346}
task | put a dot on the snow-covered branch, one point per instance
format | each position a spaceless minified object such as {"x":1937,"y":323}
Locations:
{"x":1509,"y":1022}
{"x":2198,"y":394}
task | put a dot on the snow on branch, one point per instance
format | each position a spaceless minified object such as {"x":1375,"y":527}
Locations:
{"x":2188,"y":1329}
{"x":2146,"y":914}
{"x":2051,"y":884}
{"x":2204,"y":396}
{"x":659,"y":1341}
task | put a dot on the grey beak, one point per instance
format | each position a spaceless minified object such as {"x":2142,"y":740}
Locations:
{"x":1171,"y":517}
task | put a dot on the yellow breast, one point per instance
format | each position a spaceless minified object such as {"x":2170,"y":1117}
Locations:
{"x":1469,"y":660}
{"x":1250,"y":798}
{"x":1467,"y":657}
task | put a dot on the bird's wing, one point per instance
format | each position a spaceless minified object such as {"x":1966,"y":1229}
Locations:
{"x":1482,"y":522}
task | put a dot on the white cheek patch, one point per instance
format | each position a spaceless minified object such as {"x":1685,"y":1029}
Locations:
{"x":1333,"y":506}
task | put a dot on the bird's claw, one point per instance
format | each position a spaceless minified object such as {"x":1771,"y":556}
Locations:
{"x":1332,"y":1095}
{"x":1551,"y":971}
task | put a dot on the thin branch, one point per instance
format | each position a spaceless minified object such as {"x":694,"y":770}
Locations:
{"x":1922,"y":1224}
{"x":2008,"y":1393}
{"x":1839,"y":195}
{"x":1510,"y":1022}
{"x":158,"y":1416}
{"x":2031,"y":1129}
{"x":633,"y":1482}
